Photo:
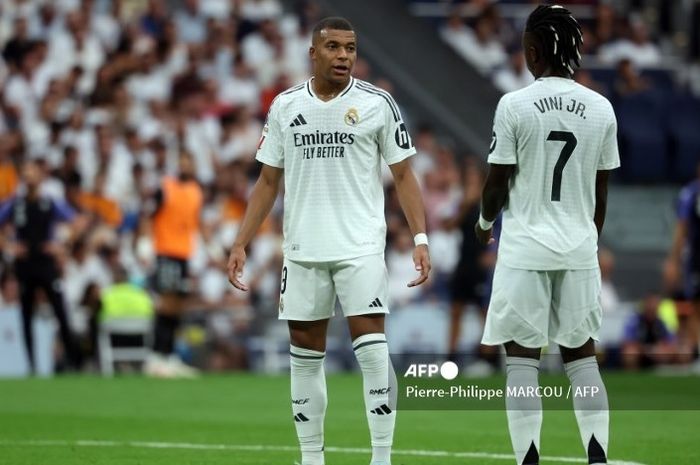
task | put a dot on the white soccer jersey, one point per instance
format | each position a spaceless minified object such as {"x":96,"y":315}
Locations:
{"x":331,"y":153}
{"x":559,"y":134}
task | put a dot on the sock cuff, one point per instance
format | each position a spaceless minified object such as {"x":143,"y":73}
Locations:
{"x":522,"y":362}
{"x":368,"y":340}
{"x":308,"y":354}
{"x":576,"y":365}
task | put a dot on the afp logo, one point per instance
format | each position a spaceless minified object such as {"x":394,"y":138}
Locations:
{"x":448,"y":370}
{"x":401,"y":137}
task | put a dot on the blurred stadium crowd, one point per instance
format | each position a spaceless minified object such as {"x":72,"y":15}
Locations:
{"x":643,"y":55}
{"x":103,"y":95}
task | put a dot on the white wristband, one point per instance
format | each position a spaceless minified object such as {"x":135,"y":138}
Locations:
{"x":485,"y":225}
{"x":420,"y":239}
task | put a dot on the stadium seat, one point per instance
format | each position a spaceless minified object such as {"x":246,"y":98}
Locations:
{"x":684,"y":130}
{"x":642,"y":138}
{"x":122,"y":327}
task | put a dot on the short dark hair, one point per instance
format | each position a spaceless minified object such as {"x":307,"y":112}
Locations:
{"x":332,"y":22}
{"x":559,"y":35}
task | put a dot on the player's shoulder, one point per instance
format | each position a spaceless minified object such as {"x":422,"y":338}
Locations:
{"x":373,"y":93}
{"x":513,"y":98}
{"x":595,"y":97}
{"x":289,"y":95}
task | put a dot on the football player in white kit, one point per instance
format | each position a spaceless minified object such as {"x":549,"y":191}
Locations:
{"x":329,"y":137}
{"x":554,"y":143}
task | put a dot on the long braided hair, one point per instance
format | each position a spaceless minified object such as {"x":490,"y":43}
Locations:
{"x":559,"y":34}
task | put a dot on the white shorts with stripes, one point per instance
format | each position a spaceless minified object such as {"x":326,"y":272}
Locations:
{"x":309,"y":290}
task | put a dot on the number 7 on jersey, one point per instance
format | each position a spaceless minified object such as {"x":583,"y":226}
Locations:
{"x":566,"y":151}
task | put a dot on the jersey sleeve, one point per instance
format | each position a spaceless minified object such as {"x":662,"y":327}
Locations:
{"x":609,"y":156}
{"x":395,"y":142}
{"x":503,"y":149}
{"x":271,"y":145}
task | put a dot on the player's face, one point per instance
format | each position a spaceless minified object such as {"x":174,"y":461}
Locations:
{"x":334,"y":55}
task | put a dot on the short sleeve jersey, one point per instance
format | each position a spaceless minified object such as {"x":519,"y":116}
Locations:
{"x":331,"y":153}
{"x":558,"y":133}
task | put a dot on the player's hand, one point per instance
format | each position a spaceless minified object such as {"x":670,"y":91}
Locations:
{"x":421,"y":258}
{"x":236,"y":262}
{"x":485,"y":237}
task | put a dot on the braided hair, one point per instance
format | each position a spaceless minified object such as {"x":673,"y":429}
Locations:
{"x":559,"y":35}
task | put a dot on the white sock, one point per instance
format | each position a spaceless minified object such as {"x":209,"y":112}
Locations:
{"x":379,"y":386}
{"x":524,"y":411}
{"x":591,"y":410}
{"x":309,"y":401}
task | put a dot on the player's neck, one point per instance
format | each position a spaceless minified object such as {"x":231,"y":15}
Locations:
{"x":558,"y":73}
{"x":327,"y":90}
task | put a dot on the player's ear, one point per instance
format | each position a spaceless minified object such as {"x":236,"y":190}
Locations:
{"x":312,"y":53}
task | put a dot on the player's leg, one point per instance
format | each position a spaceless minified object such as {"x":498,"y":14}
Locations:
{"x":308,"y":386}
{"x":378,"y":380}
{"x":307,"y":300}
{"x":577,"y":316}
{"x":591,"y":410}
{"x":362,"y":285}
{"x":524,"y":411}
{"x":518,"y":318}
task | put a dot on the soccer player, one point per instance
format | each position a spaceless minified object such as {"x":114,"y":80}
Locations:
{"x":328,"y":136}
{"x":175,"y":223}
{"x":554,"y":143}
{"x":684,"y":258}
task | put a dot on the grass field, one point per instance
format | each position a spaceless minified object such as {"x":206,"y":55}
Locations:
{"x":246,"y":420}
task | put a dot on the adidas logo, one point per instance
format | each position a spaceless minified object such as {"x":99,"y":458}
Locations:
{"x":300,"y":418}
{"x":298,"y":121}
{"x":383,"y":410}
{"x":376,"y":303}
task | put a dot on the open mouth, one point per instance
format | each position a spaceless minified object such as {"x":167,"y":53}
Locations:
{"x":341,"y":69}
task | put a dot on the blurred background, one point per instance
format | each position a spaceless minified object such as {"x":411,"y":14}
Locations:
{"x":103,"y":95}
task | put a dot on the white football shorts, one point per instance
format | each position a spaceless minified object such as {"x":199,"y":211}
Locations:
{"x":535,"y":307}
{"x":308,"y":290}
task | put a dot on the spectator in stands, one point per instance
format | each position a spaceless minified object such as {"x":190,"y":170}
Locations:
{"x":9,"y":290}
{"x":478,"y":45}
{"x":629,"y":81}
{"x":514,"y":75}
{"x":8,"y":174}
{"x":647,"y":340}
{"x":638,"y":48}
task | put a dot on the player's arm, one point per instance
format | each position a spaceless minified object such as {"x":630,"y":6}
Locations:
{"x":601,"y":199}
{"x":502,"y":161}
{"x":493,"y":199}
{"x":411,"y":202}
{"x":259,"y":205}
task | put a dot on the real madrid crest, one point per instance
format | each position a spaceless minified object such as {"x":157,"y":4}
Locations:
{"x":352,"y":117}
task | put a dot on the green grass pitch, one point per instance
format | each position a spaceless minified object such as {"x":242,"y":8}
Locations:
{"x":246,"y":420}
